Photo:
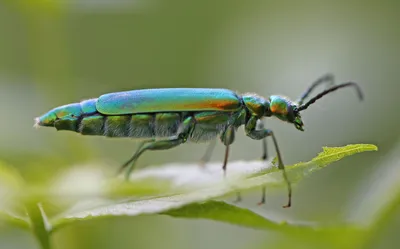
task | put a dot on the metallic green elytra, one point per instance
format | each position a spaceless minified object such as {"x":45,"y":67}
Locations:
{"x":166,"y":118}
{"x":161,"y":100}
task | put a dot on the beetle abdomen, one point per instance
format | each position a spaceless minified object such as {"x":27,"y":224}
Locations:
{"x":147,"y":113}
{"x":84,"y":118}
{"x":154,"y":125}
{"x":135,"y":126}
{"x":141,"y":126}
{"x":117,"y":126}
{"x":166,"y":124}
{"x":91,"y":125}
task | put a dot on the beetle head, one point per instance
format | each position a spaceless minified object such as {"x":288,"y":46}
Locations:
{"x":285,"y":110}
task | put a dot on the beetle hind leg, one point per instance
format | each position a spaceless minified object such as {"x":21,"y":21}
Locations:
{"x":187,"y":128}
{"x":157,"y":145}
{"x":126,"y":164}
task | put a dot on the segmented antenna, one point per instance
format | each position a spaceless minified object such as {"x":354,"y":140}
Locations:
{"x":329,"y":79}
{"x":327,"y":91}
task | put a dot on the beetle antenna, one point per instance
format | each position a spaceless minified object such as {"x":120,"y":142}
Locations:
{"x":327,"y":91}
{"x":329,"y":79}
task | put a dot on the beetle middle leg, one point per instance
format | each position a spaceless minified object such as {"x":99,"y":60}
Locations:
{"x":251,"y":132}
{"x":227,"y":138}
{"x":207,"y":155}
{"x":208,"y":126}
{"x":260,"y":126}
{"x":187,"y":128}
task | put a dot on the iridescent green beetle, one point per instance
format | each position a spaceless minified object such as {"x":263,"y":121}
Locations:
{"x":169,"y":117}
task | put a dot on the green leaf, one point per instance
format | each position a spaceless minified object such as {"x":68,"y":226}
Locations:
{"x":377,"y":206}
{"x":224,"y":212}
{"x":341,"y":237}
{"x":11,"y":185}
{"x":40,"y":227}
{"x":333,"y":154}
{"x":187,"y":191}
{"x":327,"y":156}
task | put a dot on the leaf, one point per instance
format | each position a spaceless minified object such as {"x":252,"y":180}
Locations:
{"x":377,"y":206}
{"x":11,"y":184}
{"x":187,"y":191}
{"x":222,"y":211}
{"x":340,"y":237}
{"x":333,"y":154}
{"x":326,"y":157}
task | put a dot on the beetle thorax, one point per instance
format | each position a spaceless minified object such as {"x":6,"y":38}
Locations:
{"x":255,"y":104}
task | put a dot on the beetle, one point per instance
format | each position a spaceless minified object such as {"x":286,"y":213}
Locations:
{"x":168,"y":117}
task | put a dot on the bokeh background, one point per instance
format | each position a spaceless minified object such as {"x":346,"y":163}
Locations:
{"x":58,"y":52}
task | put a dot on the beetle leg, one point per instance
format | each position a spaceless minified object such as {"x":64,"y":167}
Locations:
{"x":260,"y":126}
{"x":227,"y":138}
{"x":207,"y":155}
{"x":264,"y":158}
{"x":260,"y":134}
{"x":187,"y":128}
{"x":157,"y":145}
{"x":141,"y":144}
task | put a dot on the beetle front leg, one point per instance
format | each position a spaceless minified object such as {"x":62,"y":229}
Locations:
{"x":260,"y":126}
{"x":187,"y":128}
{"x":251,"y":132}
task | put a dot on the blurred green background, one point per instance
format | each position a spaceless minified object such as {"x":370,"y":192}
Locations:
{"x":58,"y":52}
